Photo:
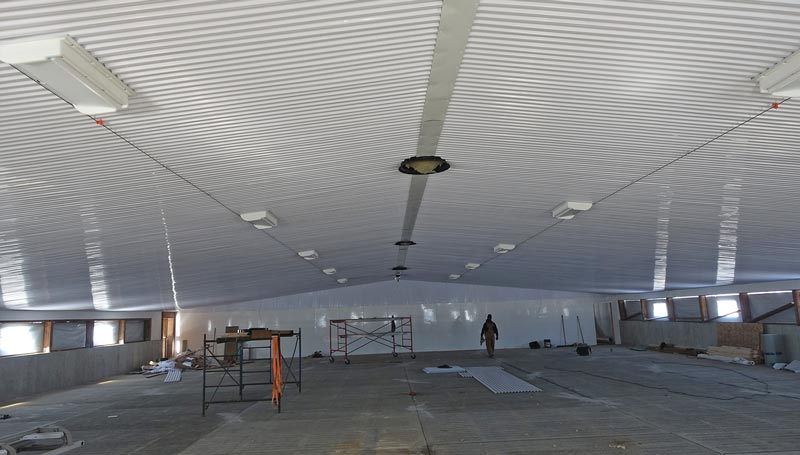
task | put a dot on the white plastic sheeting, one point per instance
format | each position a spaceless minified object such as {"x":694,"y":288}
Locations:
{"x":445,"y":316}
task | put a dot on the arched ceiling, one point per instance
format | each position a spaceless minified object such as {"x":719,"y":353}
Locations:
{"x":649,"y":109}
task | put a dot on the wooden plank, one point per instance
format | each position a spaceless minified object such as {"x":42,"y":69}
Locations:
{"x":623,"y":312}
{"x":670,"y":309}
{"x":703,"y":302}
{"x":771,"y":313}
{"x":740,"y":334}
{"x":230,"y":346}
{"x":645,"y":310}
{"x":48,"y":336}
{"x":121,"y":335}
{"x":89,"y":334}
{"x":744,"y":306}
{"x":796,"y":301}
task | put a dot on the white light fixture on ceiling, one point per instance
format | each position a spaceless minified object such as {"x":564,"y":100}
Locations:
{"x":262,"y":219}
{"x":308,"y":255}
{"x":472,"y":265}
{"x":782,"y":79}
{"x":70,"y":71}
{"x":568,"y":210}
{"x":455,"y":276}
{"x":329,"y":271}
{"x":342,"y":280}
{"x":503,"y":248}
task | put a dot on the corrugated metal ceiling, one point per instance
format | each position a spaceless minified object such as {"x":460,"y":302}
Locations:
{"x":305,"y":108}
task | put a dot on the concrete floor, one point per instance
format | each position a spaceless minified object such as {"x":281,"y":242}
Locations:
{"x":614,"y":401}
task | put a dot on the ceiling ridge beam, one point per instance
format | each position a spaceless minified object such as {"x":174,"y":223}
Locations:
{"x":455,"y":24}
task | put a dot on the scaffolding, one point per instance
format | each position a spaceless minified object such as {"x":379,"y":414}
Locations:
{"x":350,"y":335}
{"x":221,"y":372}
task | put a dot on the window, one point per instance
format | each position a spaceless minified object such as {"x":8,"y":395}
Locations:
{"x":106,"y":333}
{"x":21,"y":338}
{"x":134,"y":330}
{"x":660,"y":310}
{"x":728,"y":309}
{"x":68,"y":335}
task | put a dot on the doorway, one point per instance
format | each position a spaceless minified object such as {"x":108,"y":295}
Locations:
{"x":168,"y":334}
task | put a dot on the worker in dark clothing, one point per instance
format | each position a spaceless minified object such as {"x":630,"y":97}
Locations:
{"x":489,"y":331}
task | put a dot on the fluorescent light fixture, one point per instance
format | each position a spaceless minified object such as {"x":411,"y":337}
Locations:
{"x":308,"y":255}
{"x":503,"y":248}
{"x":329,"y":271}
{"x":568,"y":210}
{"x":70,"y":71}
{"x":472,"y":265}
{"x":262,"y":219}
{"x":455,"y":276}
{"x":782,"y":79}
{"x":342,"y":280}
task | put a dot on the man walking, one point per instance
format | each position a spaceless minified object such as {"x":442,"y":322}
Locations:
{"x":489,"y":331}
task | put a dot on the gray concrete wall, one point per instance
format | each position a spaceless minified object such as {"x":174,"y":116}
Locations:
{"x":25,"y":375}
{"x":691,"y":334}
{"x":698,"y":335}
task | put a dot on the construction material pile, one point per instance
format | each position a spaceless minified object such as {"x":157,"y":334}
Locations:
{"x":733,"y":354}
{"x":186,"y":360}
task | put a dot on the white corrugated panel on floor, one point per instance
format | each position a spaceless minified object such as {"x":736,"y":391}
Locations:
{"x":173,"y":376}
{"x":499,"y":381}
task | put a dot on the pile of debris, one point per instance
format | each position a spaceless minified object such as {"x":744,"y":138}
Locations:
{"x":733,"y":354}
{"x":186,"y":360}
{"x":794,"y":366}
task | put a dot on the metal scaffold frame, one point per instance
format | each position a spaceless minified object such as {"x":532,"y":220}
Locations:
{"x":226,"y":372}
{"x":353,"y":334}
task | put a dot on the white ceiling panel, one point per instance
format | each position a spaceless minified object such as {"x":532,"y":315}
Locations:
{"x":579,"y":100}
{"x":649,"y":109}
{"x":302,"y":108}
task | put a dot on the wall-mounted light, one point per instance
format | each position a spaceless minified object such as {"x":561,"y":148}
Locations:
{"x":471,"y":265}
{"x":342,"y":280}
{"x":70,"y":71}
{"x":568,"y":210}
{"x":329,"y":271}
{"x":455,"y":276}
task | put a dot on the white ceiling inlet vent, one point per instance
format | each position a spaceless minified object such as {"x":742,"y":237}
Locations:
{"x":69,"y":71}
{"x":262,"y":219}
{"x":342,"y":280}
{"x":503,"y":248}
{"x":568,"y":210}
{"x":309,"y":255}
{"x":782,"y":79}
{"x":329,"y":271}
{"x":472,"y":265}
{"x":455,"y":276}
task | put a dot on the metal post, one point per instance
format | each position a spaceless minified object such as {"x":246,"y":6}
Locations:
{"x":205,"y":367}
{"x":299,"y":360}
{"x":241,"y":367}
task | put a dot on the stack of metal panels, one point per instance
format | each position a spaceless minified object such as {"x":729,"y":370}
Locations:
{"x":499,"y":381}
